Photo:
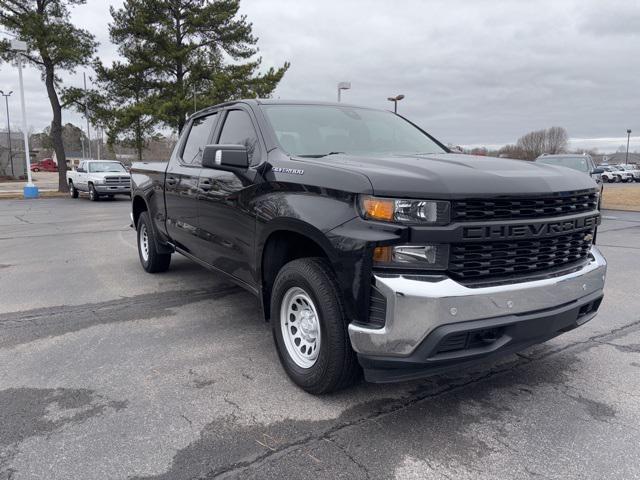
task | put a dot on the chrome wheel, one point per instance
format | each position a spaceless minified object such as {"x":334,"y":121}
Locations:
{"x":143,"y":240}
{"x":300,"y":326}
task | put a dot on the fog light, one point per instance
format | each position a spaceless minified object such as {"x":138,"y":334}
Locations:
{"x":425,"y":257}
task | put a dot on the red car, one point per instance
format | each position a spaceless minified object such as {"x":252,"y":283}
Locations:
{"x":46,"y":165}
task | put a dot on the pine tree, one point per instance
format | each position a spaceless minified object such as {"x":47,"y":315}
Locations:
{"x":191,"y":52}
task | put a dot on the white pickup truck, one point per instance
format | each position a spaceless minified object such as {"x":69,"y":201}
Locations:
{"x":99,"y":178}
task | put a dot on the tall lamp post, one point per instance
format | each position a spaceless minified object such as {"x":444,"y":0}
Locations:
{"x":29,"y":190}
{"x":343,"y":86}
{"x":395,"y":101}
{"x":6,"y":101}
{"x":626,"y":160}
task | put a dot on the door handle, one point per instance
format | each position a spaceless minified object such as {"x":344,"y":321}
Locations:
{"x":171,"y":180}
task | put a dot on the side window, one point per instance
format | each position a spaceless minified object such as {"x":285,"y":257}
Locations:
{"x":199,"y":134}
{"x":238,"y":130}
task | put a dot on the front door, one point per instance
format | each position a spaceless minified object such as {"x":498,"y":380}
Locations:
{"x":225,"y":220}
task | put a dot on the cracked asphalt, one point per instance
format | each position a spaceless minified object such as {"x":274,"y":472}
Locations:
{"x":110,"y":373}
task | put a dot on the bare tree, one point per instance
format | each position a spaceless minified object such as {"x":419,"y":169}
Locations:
{"x":532,"y":144}
{"x":557,"y":140}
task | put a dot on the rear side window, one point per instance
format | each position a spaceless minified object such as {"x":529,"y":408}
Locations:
{"x":238,"y":130}
{"x":199,"y":135}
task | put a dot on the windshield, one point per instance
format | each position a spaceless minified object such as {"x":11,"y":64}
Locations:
{"x":575,"y":163}
{"x":99,"y":167}
{"x":319,"y":130}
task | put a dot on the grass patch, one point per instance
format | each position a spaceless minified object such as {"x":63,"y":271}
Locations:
{"x":623,"y":197}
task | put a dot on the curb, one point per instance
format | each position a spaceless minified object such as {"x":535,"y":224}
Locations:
{"x":20,"y":195}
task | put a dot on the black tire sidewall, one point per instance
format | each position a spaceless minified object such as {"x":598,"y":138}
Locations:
{"x":144,"y":220}
{"x":93,"y":194}
{"x":332,"y":327}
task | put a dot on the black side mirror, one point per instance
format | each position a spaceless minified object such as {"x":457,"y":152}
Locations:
{"x":597,"y":171}
{"x":225,"y":157}
{"x":81,"y":170}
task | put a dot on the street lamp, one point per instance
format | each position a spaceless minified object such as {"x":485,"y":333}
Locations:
{"x":626,"y":160}
{"x":395,"y":101}
{"x":29,"y":190}
{"x":343,"y":86}
{"x":6,"y":101}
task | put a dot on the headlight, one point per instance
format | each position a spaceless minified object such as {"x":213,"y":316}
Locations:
{"x":99,"y":180}
{"x":424,"y":257}
{"x":427,"y":212}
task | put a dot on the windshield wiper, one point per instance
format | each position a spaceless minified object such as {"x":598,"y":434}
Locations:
{"x":320,"y":155}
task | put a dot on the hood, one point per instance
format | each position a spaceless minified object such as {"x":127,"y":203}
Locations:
{"x":450,"y":175}
{"x":110,"y":174}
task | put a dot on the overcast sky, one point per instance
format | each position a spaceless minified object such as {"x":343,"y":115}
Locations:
{"x":482,"y":72}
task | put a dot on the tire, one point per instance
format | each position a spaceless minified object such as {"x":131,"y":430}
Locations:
{"x":309,"y":285}
{"x":150,"y":259}
{"x":93,"y":194}
{"x":72,"y":190}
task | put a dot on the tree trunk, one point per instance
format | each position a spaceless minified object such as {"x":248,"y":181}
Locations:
{"x":56,"y":127}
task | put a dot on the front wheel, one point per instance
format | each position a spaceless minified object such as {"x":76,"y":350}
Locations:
{"x":93,"y":193}
{"x":152,"y":260}
{"x":310,"y":327}
{"x":73,"y":191}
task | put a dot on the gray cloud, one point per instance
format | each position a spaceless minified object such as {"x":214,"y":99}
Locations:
{"x":482,"y":72}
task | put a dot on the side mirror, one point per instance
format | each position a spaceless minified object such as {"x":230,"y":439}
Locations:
{"x":597,"y":171}
{"x":225,"y":157}
{"x":81,"y":170}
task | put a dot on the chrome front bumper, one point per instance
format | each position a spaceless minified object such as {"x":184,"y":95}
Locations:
{"x":416,"y":306}
{"x":106,"y":188}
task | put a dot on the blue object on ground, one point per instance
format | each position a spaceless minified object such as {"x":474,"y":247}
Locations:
{"x":30,"y":191}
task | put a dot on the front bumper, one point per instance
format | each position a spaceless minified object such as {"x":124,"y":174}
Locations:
{"x":422,"y":312}
{"x":112,"y":189}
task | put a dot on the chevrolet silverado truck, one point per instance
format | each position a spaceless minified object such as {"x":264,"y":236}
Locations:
{"x":372,"y":248}
{"x":99,"y":178}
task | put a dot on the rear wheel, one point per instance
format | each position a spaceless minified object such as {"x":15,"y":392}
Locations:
{"x":152,"y":260}
{"x":310,"y":327}
{"x":72,"y":190}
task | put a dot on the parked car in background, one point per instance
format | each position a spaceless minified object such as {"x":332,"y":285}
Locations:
{"x":581,"y":163}
{"x":634,"y":170}
{"x":99,"y":178}
{"x":46,"y":165}
{"x":611,"y":174}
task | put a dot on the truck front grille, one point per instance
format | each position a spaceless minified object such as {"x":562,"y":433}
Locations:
{"x":471,"y":261}
{"x":121,"y":181}
{"x":517,"y":208}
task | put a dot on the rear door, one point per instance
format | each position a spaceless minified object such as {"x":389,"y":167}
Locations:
{"x":181,"y":182}
{"x":225,"y":220}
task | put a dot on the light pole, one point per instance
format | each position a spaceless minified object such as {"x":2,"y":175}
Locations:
{"x":6,"y":101}
{"x":29,"y":190}
{"x":626,"y":160}
{"x":395,"y":101}
{"x":343,"y":86}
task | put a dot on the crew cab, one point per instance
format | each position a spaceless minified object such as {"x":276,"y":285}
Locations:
{"x":372,"y":248}
{"x":99,"y":178}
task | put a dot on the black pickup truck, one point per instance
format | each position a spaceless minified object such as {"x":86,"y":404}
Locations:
{"x":371,"y":247}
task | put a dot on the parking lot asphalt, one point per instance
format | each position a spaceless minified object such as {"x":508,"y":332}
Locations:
{"x":107,"y":372}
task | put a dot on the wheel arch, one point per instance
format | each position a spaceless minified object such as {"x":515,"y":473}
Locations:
{"x":283,"y":241}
